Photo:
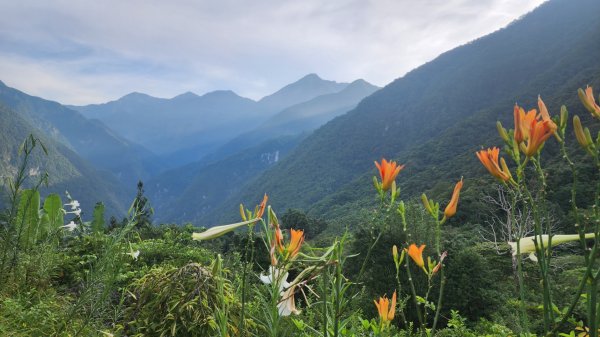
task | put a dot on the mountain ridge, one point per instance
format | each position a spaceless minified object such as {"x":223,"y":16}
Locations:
{"x":187,"y":127}
{"x":92,"y":140}
{"x":67,"y":171}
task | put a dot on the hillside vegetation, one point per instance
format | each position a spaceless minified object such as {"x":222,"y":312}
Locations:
{"x":431,"y":118}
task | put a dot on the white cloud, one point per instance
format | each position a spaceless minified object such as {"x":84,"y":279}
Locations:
{"x":81,"y":52}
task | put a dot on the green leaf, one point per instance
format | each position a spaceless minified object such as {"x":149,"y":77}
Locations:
{"x":53,"y":208}
{"x":98,"y":219}
{"x":28,"y":216}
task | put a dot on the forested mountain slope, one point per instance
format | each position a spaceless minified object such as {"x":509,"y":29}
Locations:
{"x":91,"y":139}
{"x":67,"y":171}
{"x":435,"y":117}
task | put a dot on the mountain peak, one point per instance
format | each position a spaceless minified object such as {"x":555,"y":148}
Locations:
{"x":135,"y":96}
{"x":221,"y":93}
{"x":359,"y":81}
{"x":311,"y":77}
{"x":304,"y":89}
{"x":186,"y":95}
{"x":359,"y":85}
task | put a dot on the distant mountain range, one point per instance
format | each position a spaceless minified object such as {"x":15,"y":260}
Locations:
{"x":190,"y":192}
{"x":183,"y":137}
{"x":302,"y":117}
{"x":185,"y":128}
{"x":167,"y":125}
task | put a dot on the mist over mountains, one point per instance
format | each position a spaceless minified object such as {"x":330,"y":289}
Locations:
{"x":170,"y":143}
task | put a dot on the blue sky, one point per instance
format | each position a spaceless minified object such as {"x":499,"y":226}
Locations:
{"x":82,"y":52}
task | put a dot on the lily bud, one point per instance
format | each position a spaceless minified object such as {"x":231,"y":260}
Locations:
{"x":426,"y":203}
{"x":502,"y":131}
{"x":451,"y":207}
{"x":579,"y":133}
{"x":376,"y":184}
{"x":273,"y":218}
{"x":242,"y":212}
{"x":395,"y":191}
{"x":505,"y":168}
{"x":588,"y":100}
{"x":588,"y":136}
{"x":215,"y":232}
{"x":583,"y":99}
{"x":564,"y":116}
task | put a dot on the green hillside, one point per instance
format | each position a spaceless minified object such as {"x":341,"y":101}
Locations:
{"x":191,"y":192}
{"x":436,"y":116}
{"x":90,"y":139}
{"x":67,"y":171}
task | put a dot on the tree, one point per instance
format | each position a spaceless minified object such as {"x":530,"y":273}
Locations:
{"x":297,"y":219}
{"x":141,"y":209}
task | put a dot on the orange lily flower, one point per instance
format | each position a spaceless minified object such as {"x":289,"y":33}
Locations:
{"x":588,"y":100}
{"x":292,"y":249}
{"x":386,"y":312}
{"x":451,"y":208}
{"x":258,"y":210}
{"x":261,"y":207}
{"x":545,"y":115}
{"x":416,"y":253}
{"x":539,"y":132}
{"x":388,"y":170}
{"x":489,"y":159}
{"x":522,"y":120}
{"x":278,"y":239}
{"x":296,"y":240}
{"x":276,"y":243}
{"x":529,"y":127}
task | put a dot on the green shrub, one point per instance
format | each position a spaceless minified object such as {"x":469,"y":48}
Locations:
{"x":172,"y":302}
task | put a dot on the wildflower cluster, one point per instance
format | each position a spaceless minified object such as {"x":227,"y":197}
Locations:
{"x":531,"y":131}
{"x":388,"y":171}
{"x":279,"y":299}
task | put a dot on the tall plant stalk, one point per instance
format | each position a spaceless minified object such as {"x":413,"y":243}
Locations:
{"x":247,"y":264}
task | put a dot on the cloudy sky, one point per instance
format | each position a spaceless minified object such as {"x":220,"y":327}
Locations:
{"x":89,"y":51}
